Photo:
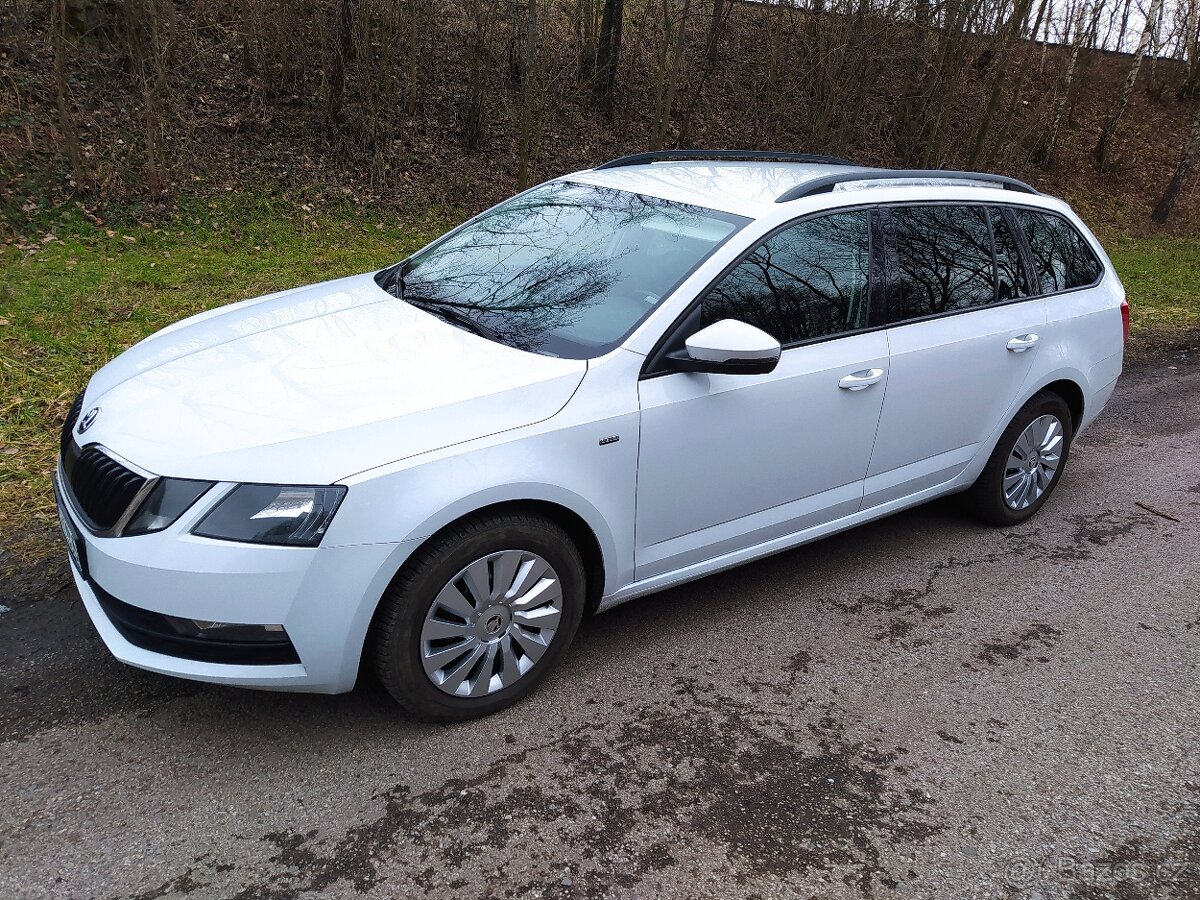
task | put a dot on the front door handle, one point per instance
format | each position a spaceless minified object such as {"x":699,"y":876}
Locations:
{"x":1022,"y":343}
{"x":859,"y":381}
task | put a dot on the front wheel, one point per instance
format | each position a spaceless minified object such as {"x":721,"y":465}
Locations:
{"x":479,"y":616}
{"x":1027,"y":463}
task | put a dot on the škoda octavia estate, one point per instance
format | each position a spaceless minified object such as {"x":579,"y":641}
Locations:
{"x":614,"y":382}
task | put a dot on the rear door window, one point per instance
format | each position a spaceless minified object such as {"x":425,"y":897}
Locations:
{"x":943,"y":259}
{"x":1062,"y":259}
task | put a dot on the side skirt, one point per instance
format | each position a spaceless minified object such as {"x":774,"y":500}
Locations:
{"x":778,"y":545}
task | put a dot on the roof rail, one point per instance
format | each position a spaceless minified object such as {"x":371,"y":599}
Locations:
{"x":638,"y":159}
{"x":827,"y":183}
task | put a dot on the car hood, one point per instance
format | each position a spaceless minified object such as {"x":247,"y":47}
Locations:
{"x":313,"y":385}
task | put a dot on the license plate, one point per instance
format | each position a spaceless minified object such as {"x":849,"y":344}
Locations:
{"x":71,"y":535}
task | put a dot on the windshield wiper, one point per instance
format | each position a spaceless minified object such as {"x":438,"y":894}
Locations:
{"x":395,"y":285}
{"x":449,"y":312}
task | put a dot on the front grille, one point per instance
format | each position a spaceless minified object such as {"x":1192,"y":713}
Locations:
{"x":173,"y":636}
{"x":102,"y":488}
{"x":64,"y":440}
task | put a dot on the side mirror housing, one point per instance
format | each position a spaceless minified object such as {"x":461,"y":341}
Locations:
{"x":728,"y":347}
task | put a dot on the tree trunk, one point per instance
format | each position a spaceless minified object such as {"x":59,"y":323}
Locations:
{"x":145,"y":28}
{"x":585,"y":36}
{"x":338,"y":57}
{"x":670,"y":64}
{"x":1004,"y":49}
{"x":1068,"y":77}
{"x":1110,"y":129}
{"x":1191,"y":149}
{"x":1045,"y":37}
{"x":477,"y":82}
{"x":528,"y":76}
{"x":66,"y":123}
{"x":608,"y":52}
{"x":1124,"y":25}
{"x":414,"y":49}
{"x":715,"y":26}
{"x":1191,"y":45}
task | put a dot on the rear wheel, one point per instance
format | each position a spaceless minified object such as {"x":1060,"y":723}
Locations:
{"x":479,"y":616}
{"x":1027,"y":463}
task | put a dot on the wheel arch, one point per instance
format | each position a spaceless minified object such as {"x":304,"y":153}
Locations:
{"x":1072,"y":394}
{"x":579,"y":519}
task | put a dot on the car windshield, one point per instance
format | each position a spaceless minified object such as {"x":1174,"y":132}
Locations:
{"x":565,"y":269}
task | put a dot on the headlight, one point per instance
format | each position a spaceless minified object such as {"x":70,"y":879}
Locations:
{"x":167,"y":502}
{"x":294,"y":516}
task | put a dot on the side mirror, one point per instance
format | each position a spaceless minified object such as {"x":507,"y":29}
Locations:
{"x":728,"y":347}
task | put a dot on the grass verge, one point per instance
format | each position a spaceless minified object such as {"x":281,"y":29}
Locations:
{"x":1162,"y":281}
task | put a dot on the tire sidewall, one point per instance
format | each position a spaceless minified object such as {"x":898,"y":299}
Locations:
{"x":398,"y":660}
{"x":991,"y":502}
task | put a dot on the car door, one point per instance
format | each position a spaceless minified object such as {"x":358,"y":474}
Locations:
{"x":728,"y":461}
{"x":963,"y":337}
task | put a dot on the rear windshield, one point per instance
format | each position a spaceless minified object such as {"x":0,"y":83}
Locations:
{"x":565,"y":269}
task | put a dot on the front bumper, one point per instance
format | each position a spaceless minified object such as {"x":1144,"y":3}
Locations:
{"x":323,"y":597}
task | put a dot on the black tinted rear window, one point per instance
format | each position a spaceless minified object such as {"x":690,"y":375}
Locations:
{"x":1062,"y":259}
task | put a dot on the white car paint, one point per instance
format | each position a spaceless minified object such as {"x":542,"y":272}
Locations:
{"x":424,"y":423}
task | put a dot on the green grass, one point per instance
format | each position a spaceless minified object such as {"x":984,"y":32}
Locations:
{"x":75,"y":293}
{"x":1162,"y":281}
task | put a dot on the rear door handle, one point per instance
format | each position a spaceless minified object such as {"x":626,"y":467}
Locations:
{"x":859,"y":381}
{"x":1022,"y":343}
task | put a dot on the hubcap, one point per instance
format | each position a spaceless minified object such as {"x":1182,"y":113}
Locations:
{"x":491,"y":623}
{"x":1033,"y":461}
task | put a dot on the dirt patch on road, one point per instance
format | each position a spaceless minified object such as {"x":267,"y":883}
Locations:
{"x":773,"y":794}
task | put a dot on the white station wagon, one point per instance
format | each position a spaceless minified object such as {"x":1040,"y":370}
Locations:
{"x":612,"y":383}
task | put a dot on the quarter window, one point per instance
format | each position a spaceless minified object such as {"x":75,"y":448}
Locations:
{"x":1062,"y":259}
{"x":808,"y":281}
{"x":943,"y":258}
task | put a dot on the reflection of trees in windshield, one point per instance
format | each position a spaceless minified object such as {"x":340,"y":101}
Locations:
{"x":566,"y":269}
{"x":945,"y":258}
{"x":805,"y":282}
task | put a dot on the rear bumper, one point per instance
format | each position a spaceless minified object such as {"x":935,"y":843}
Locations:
{"x":324,"y":598}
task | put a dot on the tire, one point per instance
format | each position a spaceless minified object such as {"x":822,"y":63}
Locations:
{"x":441,"y":608}
{"x":986,"y":498}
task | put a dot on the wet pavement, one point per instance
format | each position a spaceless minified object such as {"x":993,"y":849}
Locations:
{"x":921,"y":707}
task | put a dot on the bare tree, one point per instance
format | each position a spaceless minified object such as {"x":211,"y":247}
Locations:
{"x":1110,"y":128}
{"x":62,"y":96}
{"x":414,"y":52}
{"x":147,"y":29}
{"x":482,"y":12}
{"x":528,"y":128}
{"x":1191,"y":149}
{"x":608,"y":52}
{"x":341,"y":45}
{"x":1004,"y":42}
{"x":585,"y":35}
{"x":1190,"y":43}
{"x":716,"y":24}
{"x":1084,"y":26}
{"x":670,"y":64}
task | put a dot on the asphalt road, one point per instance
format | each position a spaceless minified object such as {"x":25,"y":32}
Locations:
{"x":920,"y":708}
